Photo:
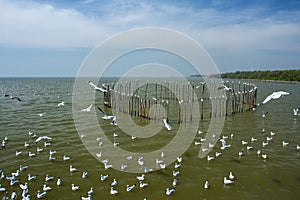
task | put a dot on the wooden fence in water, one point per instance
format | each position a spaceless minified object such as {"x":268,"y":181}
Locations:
{"x":157,"y":99}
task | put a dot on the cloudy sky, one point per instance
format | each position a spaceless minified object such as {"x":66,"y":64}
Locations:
{"x":52,"y":38}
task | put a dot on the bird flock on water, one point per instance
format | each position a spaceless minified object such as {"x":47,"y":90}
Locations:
{"x":43,"y":145}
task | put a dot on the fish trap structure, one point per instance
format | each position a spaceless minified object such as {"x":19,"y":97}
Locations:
{"x":181,"y":100}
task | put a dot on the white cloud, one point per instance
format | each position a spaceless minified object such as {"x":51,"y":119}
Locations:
{"x":42,"y":25}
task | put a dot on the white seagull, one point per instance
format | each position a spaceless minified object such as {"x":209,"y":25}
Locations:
{"x":43,"y":138}
{"x":88,"y":109}
{"x":105,"y":116}
{"x":275,"y":95}
{"x":61,"y":104}
{"x":166,"y":124}
{"x":96,"y":87}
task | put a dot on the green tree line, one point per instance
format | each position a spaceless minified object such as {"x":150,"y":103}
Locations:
{"x":276,"y":75}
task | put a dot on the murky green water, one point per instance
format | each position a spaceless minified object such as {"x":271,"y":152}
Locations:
{"x":277,"y":177}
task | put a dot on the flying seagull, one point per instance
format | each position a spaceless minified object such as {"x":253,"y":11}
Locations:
{"x":43,"y":138}
{"x":12,"y":97}
{"x":275,"y":95}
{"x":88,"y":109}
{"x":96,"y":87}
{"x":166,"y":124}
{"x":105,"y":116}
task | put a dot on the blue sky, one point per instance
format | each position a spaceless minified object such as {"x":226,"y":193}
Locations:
{"x":52,"y":38}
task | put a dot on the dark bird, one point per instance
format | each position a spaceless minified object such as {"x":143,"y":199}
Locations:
{"x":12,"y":97}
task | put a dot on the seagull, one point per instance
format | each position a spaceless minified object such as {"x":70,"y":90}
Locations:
{"x":285,"y":143}
{"x":84,"y":174}
{"x":253,"y":139}
{"x":105,"y":116}
{"x":224,"y":87}
{"x":66,"y":158}
{"x":46,"y":188}
{"x":275,"y":95}
{"x":206,"y":184}
{"x":218,"y":154}
{"x":114,"y":183}
{"x":175,"y":173}
{"x":58,"y":182}
{"x":113,"y":191}
{"x":227,"y":181}
{"x":40,"y":194}
{"x":231,"y":176}
{"x":18,"y":153}
{"x":86,"y":198}
{"x":96,"y":87}
{"x":130,"y":188}
{"x":74,"y":187}
{"x":88,"y":109}
{"x":175,"y":182}
{"x":179,"y":159}
{"x":296,"y":111}
{"x":41,"y":114}
{"x":61,"y":104}
{"x":114,"y":121}
{"x":31,"y":178}
{"x":43,"y":138}
{"x":143,"y":185}
{"x":48,"y":178}
{"x":12,"y":97}
{"x":141,"y":178}
{"x":103,"y":177}
{"x":13,"y":196}
{"x":72,"y":169}
{"x":24,"y":187}
{"x":90,"y":192}
{"x":264,"y":114}
{"x":166,"y":124}
{"x":264,"y":156}
{"x":170,"y":191}
{"x":209,"y":158}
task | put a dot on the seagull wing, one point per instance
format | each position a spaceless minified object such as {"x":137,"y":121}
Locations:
{"x":16,"y":98}
{"x":96,"y":87}
{"x":268,"y":98}
{"x":102,"y":111}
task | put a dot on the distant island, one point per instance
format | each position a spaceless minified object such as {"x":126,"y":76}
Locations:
{"x":275,"y":75}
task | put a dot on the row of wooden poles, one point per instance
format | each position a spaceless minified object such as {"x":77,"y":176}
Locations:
{"x":180,"y":100}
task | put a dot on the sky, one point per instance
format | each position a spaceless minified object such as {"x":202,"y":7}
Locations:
{"x":53,"y":38}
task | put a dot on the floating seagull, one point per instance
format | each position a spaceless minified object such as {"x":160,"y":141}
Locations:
{"x":130,"y":188}
{"x":72,"y":169}
{"x":46,"y":188}
{"x":177,"y":165}
{"x":18,"y":153}
{"x":113,"y":191}
{"x":105,"y":116}
{"x":264,"y":156}
{"x":275,"y":95}
{"x":253,"y":139}
{"x":31,"y":178}
{"x":170,"y":191}
{"x":74,"y":187}
{"x":24,"y":187}
{"x":227,"y":181}
{"x":58,"y":182}
{"x":114,"y":121}
{"x":206,"y":184}
{"x":61,"y":104}
{"x":41,"y":114}
{"x":48,"y":178}
{"x":175,"y":182}
{"x":22,"y":168}
{"x":209,"y":158}
{"x":12,"y":97}
{"x":141,"y":178}
{"x":103,"y":177}
{"x":84,"y":174}
{"x":298,"y":147}
{"x":296,"y":111}
{"x":114,"y":183}
{"x":41,"y":194}
{"x":88,"y":109}
{"x":66,"y":158}
{"x":13,"y":195}
{"x":96,"y":87}
{"x":89,"y":197}
{"x":166,"y":124}
{"x":179,"y":159}
{"x":264,"y":114}
{"x":218,"y":154}
{"x":231,"y":176}
{"x":285,"y":143}
{"x":90,"y":192}
{"x":143,"y":185}
{"x":175,"y":173}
